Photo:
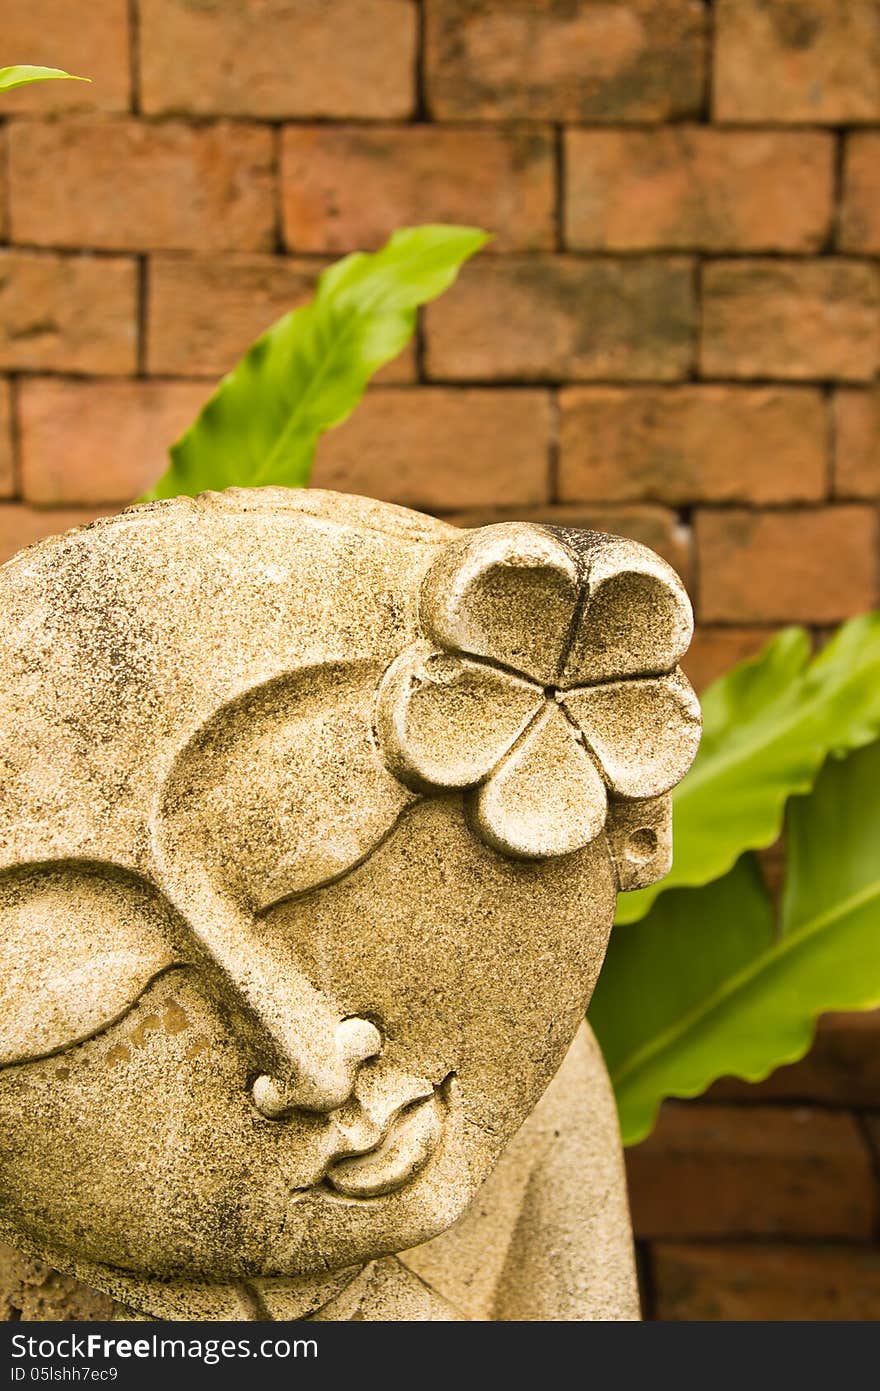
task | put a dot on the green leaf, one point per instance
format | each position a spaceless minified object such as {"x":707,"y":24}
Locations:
{"x":308,"y":372}
{"x":704,"y":987}
{"x":659,"y":1006}
{"x":768,"y":727}
{"x":21,"y":75}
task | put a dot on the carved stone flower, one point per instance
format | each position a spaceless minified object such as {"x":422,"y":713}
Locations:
{"x":545,"y":684}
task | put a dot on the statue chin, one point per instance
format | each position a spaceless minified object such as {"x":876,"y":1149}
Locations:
{"x":326,"y":1239}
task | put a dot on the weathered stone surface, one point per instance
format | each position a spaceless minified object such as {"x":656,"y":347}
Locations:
{"x":685,"y":444}
{"x":816,"y":565}
{"x":21,"y":525}
{"x":293,"y":828}
{"x":7,"y":469}
{"x":499,"y":179}
{"x":857,"y":442}
{"x":804,"y":61}
{"x":127,"y":185}
{"x":564,"y":60}
{"x":92,"y":40}
{"x":656,"y":527}
{"x":285,"y":58}
{"x":96,"y":441}
{"x":860,"y":213}
{"x":68,"y":313}
{"x":204,"y":312}
{"x":540,"y":318}
{"x":32,"y":1291}
{"x":793,"y":320}
{"x":4,"y":192}
{"x":424,"y":448}
{"x":695,"y":188}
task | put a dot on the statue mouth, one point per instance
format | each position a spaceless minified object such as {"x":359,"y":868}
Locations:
{"x":405,"y":1149}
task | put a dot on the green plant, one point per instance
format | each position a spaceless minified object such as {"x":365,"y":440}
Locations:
{"x":309,"y":371}
{"x":767,"y":728}
{"x":710,"y":983}
{"x":22,"y":74}
{"x":701,"y":980}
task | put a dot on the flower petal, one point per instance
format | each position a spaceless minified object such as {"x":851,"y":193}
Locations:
{"x":644,"y":733}
{"x":546,"y":798}
{"x":637,"y":619}
{"x":445,"y":722}
{"x":507,"y":592}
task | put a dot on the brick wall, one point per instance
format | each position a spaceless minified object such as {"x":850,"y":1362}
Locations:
{"x":673,"y":335}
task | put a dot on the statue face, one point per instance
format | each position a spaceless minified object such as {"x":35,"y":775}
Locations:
{"x":183,"y":1139}
{"x":276,"y":1003}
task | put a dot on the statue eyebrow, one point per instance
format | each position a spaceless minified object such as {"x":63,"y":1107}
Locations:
{"x":262,"y":909}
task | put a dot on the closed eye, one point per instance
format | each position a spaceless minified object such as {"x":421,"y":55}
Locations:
{"x":79,"y":944}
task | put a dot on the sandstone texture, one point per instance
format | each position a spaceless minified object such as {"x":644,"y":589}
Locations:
{"x":314,"y":817}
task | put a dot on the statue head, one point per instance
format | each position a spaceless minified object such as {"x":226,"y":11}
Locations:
{"x":312,"y":820}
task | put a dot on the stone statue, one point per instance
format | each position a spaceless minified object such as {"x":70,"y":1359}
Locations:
{"x":313,"y":814}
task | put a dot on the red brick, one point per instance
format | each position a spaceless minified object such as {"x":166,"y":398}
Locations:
{"x":796,"y":320}
{"x":745,"y":1281}
{"x":860,"y":212}
{"x":99,"y":442}
{"x":543,"y":318}
{"x":873,"y":1129}
{"x":656,"y":527}
{"x":714,"y":651}
{"x":89,"y":40}
{"x":692,"y":187}
{"x":346,"y":188}
{"x":205,"y":311}
{"x":841,"y":1069}
{"x":135,"y":186}
{"x":295,"y":58}
{"x":21,"y":526}
{"x":857,"y":443}
{"x":710,"y":1171}
{"x":797,"y":60}
{"x":441,"y":449}
{"x":565,"y":60}
{"x":771,"y":861}
{"x":684,"y":444}
{"x":7,"y":468}
{"x":4,"y":211}
{"x":67,"y":313}
{"x":817,"y":566}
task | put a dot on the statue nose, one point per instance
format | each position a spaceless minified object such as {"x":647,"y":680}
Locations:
{"x":318,"y":1079}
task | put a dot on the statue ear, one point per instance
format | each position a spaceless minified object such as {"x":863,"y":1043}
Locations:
{"x":640,"y":841}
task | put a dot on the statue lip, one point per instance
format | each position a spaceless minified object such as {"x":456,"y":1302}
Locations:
{"x":404,"y":1150}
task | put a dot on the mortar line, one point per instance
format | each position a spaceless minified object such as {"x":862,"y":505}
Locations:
{"x":560,"y":177}
{"x":15,"y":435}
{"x":134,"y":54}
{"x":142,"y":290}
{"x":420,"y":113}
